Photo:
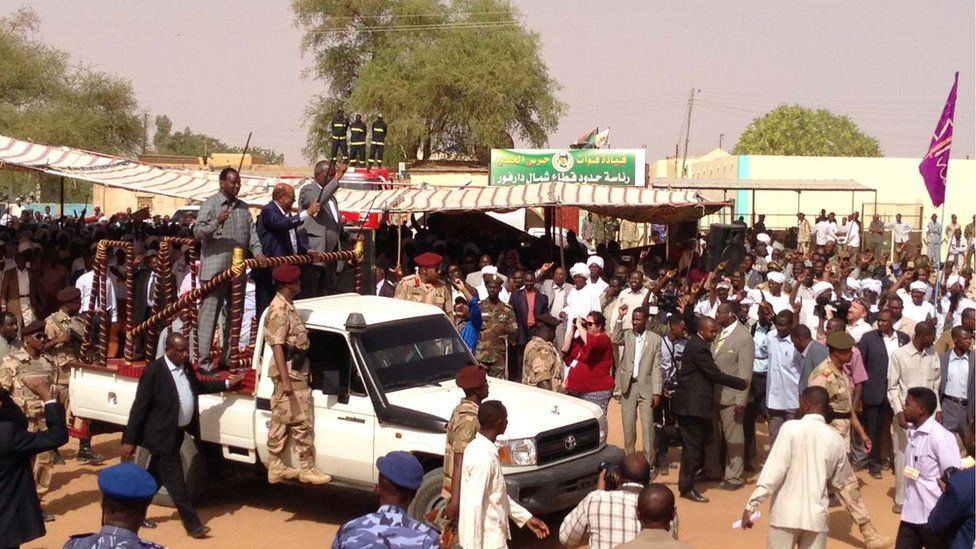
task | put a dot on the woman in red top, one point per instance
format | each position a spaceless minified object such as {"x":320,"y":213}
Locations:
{"x":590,"y":378}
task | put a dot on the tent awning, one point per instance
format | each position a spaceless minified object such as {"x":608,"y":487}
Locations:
{"x":848,"y":185}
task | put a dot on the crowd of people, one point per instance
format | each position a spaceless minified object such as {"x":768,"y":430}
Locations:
{"x":852,"y":357}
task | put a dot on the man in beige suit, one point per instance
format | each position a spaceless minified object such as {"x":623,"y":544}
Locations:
{"x":638,"y":378}
{"x":733,"y":350}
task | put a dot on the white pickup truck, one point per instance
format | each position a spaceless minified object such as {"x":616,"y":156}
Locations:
{"x":383,"y":379}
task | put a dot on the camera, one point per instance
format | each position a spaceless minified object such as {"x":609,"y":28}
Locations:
{"x":840,"y":308}
{"x":612,"y":473}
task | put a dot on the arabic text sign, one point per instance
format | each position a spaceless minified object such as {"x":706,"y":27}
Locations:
{"x":596,"y":166}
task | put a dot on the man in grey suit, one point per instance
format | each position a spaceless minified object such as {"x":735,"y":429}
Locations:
{"x":958,"y":378}
{"x":323,"y":227}
{"x":733,"y":351}
{"x":638,"y":378}
{"x":223,"y":223}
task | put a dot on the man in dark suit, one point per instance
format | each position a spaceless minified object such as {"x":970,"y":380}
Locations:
{"x":876,"y":347}
{"x":323,"y":227}
{"x":144,"y":296}
{"x":958,"y":379}
{"x":528,"y":303}
{"x":278,"y":231}
{"x":693,"y":403}
{"x":384,"y":288}
{"x":164,"y":409}
{"x":21,"y":519}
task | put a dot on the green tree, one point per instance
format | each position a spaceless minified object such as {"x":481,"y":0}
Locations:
{"x":188,"y":143}
{"x":792,"y":130}
{"x":450,"y":76}
{"x":47,"y":99}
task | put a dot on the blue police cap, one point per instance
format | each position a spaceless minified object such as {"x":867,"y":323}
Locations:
{"x":127,"y":481}
{"x":402,"y":469}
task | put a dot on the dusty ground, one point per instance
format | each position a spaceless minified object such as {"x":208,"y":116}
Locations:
{"x":248,"y":512}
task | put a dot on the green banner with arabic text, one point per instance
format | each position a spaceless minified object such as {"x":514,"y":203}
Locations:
{"x":594,"y":166}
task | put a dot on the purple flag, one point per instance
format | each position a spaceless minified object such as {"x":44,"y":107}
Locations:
{"x":935,"y":164}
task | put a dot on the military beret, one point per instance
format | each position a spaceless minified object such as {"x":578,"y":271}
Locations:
{"x":127,"y":481}
{"x":33,"y":328}
{"x":471,"y":376}
{"x":428,"y":259}
{"x":286,"y":274}
{"x":841,"y":341}
{"x":402,"y":469}
{"x":68,"y":295}
{"x":548,"y":320}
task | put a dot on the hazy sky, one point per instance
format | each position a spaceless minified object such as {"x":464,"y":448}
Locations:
{"x":226,"y":67}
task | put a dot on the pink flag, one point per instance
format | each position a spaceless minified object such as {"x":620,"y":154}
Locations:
{"x":935,"y":165}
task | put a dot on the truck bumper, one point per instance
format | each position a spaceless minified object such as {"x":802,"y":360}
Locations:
{"x":561,"y":486}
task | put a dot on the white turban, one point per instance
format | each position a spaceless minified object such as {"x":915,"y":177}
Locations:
{"x":594,"y":260}
{"x":723,"y":284}
{"x":821,"y":287}
{"x":853,"y":284}
{"x":953,"y":280}
{"x":579,"y":269}
{"x":489,"y":270}
{"x":777,"y":277}
{"x":871,"y":285}
{"x":918,"y":286}
{"x":763,"y":237}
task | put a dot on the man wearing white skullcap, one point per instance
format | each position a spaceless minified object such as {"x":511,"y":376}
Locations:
{"x":772,"y":294}
{"x":916,"y":308}
{"x":491,"y":271}
{"x":583,"y":299}
{"x":953,"y":286}
{"x":595,"y":266}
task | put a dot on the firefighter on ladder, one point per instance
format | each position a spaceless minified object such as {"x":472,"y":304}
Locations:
{"x":338,"y":131}
{"x":357,"y":142}
{"x":377,"y":138}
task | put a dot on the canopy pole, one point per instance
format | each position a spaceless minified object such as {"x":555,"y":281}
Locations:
{"x":562,"y":241}
{"x":753,"y":207}
{"x":62,"y":196}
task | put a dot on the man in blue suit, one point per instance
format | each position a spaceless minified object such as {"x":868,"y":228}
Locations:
{"x":280,"y":233}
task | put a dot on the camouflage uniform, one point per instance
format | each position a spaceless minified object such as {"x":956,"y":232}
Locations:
{"x":289,"y":415}
{"x":460,"y":431}
{"x":543,"y":365}
{"x":6,"y":348}
{"x":55,"y":326}
{"x":110,"y":537}
{"x":838,"y":386}
{"x":14,"y":368}
{"x":498,"y":321}
{"x":438,"y":294}
{"x":389,"y":527}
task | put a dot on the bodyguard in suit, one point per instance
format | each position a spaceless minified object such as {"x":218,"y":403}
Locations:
{"x":733,"y":351}
{"x":958,"y":377}
{"x":144,"y":295}
{"x":322,"y":227}
{"x":165,"y":408}
{"x":876,"y":347}
{"x":279,"y":230}
{"x":638,"y":378}
{"x":21,"y":519}
{"x":693,"y":403}
{"x":223,"y":223}
{"x":529,"y":304}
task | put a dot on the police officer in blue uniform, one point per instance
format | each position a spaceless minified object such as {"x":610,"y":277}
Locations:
{"x":127,"y":490}
{"x":390,"y":527}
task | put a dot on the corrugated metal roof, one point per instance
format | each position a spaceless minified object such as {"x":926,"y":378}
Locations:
{"x":760,"y":184}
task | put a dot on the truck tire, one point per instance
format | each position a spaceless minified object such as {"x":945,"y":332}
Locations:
{"x":428,"y":495}
{"x":194,"y":471}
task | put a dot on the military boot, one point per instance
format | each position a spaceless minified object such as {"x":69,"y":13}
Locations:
{"x":873,"y":539}
{"x":312,"y":475}
{"x":278,"y":471}
{"x":87,"y":454}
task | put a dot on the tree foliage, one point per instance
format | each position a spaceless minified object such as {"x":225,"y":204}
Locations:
{"x":188,"y":143}
{"x":449,"y":76}
{"x":792,"y":130}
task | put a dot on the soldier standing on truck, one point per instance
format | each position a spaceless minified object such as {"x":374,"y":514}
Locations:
{"x":65,"y":332}
{"x":377,"y":138}
{"x":497,"y":324}
{"x":291,"y":403}
{"x":337,"y":127}
{"x":461,"y":430}
{"x":357,"y":142}
{"x":22,"y":364}
{"x":426,"y":286}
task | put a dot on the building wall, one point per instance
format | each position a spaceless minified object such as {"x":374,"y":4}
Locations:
{"x":113,"y":200}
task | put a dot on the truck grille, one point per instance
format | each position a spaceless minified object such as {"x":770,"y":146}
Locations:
{"x":565,"y":442}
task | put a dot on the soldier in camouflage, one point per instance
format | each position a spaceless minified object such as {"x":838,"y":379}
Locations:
{"x":828,"y":374}
{"x":291,"y":402}
{"x":426,"y":286}
{"x":400,"y":475}
{"x":542,"y":366}
{"x":127,"y":490}
{"x":65,"y":332}
{"x":461,"y":430}
{"x":497,"y":324}
{"x":15,"y":368}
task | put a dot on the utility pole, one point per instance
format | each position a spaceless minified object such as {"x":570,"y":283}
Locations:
{"x":684,"y":158}
{"x":145,"y":130}
{"x":721,"y":138}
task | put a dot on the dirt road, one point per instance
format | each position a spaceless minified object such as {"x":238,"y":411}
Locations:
{"x":247,"y":512}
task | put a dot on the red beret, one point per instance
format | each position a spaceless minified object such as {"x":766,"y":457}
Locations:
{"x":286,"y":274}
{"x":471,"y":376}
{"x":428,"y":259}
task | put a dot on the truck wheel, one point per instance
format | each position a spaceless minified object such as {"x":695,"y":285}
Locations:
{"x":194,"y":471}
{"x":428,"y":495}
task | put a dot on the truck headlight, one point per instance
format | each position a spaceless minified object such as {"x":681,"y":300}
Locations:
{"x":603,"y":429}
{"x":519,"y":452}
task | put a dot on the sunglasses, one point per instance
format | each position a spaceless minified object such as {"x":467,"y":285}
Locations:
{"x":590,"y":323}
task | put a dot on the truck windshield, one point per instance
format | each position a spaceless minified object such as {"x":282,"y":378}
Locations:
{"x":414,"y":352}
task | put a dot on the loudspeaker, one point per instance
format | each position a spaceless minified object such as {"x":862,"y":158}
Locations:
{"x":726,"y":243}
